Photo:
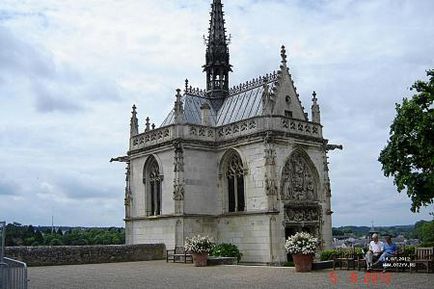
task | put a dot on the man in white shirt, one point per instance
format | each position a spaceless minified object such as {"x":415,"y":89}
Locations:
{"x":376,"y":248}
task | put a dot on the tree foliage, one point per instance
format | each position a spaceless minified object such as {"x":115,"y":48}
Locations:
{"x":19,"y":235}
{"x":409,"y":154}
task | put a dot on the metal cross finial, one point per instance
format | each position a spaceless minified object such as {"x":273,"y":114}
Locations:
{"x":283,"y":54}
{"x":314,"y":99}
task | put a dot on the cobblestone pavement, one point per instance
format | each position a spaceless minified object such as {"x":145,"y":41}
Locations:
{"x":159,"y":274}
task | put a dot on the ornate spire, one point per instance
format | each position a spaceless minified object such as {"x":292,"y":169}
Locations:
{"x":316,"y":117}
{"x":217,"y":65}
{"x":134,"y":123}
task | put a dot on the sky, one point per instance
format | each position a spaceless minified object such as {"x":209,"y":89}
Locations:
{"x":70,"y":71}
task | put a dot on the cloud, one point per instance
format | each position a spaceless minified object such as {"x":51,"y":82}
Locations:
{"x":7,"y":188}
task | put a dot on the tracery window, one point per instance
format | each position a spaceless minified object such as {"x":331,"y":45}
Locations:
{"x":152,"y":180}
{"x":235,"y":184}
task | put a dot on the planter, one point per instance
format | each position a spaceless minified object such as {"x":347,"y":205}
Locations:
{"x":200,"y":260}
{"x":303,"y":263}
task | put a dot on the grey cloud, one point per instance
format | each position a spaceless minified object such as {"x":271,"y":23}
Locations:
{"x":78,"y":189}
{"x":20,"y":58}
{"x":50,"y":101}
{"x":8,"y":188}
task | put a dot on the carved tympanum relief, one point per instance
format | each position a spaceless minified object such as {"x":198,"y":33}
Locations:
{"x":298,"y":182}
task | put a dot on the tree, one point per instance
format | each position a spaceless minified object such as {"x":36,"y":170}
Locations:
{"x":409,"y":153}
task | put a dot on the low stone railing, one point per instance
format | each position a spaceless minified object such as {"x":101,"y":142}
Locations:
{"x":226,"y":132}
{"x":76,"y":255}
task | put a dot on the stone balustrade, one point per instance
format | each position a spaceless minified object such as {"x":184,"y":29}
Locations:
{"x":226,"y":132}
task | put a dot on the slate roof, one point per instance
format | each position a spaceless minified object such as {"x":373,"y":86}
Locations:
{"x":240,"y":104}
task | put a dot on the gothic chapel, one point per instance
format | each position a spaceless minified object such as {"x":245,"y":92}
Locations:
{"x":244,"y":164}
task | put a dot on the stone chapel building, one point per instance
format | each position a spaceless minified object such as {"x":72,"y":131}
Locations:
{"x":244,"y":165}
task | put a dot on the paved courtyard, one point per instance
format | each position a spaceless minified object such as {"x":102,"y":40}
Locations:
{"x":159,"y":274}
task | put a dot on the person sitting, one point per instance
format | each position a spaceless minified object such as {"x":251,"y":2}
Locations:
{"x":390,"y":250}
{"x":376,"y":248}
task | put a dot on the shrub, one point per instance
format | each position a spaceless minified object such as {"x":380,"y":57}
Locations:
{"x":226,"y":250}
{"x":409,"y":250}
{"x":327,"y":254}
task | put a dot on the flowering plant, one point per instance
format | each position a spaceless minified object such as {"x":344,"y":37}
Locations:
{"x":301,"y":243}
{"x":199,"y":244}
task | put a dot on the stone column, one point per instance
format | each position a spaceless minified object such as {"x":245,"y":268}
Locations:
{"x":270,"y":172}
{"x":178,"y":181}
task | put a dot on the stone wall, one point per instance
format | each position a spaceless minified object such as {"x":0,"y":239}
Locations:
{"x":75,"y":255}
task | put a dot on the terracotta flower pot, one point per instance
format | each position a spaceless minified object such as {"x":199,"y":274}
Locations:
{"x":303,"y":263}
{"x":200,"y":260}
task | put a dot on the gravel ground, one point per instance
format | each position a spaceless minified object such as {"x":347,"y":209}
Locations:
{"x":159,"y":274}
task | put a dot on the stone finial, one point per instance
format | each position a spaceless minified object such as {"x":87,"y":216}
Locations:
{"x":186,"y":86}
{"x":134,"y":123}
{"x":148,"y":125}
{"x":153,"y":126}
{"x":283,"y":54}
{"x":205,"y":113}
{"x":316,"y":115}
{"x":179,"y":107}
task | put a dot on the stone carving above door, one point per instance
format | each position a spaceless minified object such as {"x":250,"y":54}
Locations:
{"x":298,"y":182}
{"x":301,"y":214}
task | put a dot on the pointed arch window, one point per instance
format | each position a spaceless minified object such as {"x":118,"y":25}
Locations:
{"x":152,"y":180}
{"x":235,"y":184}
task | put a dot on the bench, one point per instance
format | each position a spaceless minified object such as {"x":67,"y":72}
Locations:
{"x":424,"y":256}
{"x":178,"y":255}
{"x":345,"y":257}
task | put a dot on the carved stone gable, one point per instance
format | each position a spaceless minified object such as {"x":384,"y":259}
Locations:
{"x":298,"y":183}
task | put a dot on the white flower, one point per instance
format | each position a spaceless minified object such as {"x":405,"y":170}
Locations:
{"x":199,"y":244}
{"x":301,"y":243}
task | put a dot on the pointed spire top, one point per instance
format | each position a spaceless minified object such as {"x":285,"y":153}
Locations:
{"x":217,"y":31}
{"x":148,"y":125}
{"x":314,"y":99}
{"x":283,"y":54}
{"x":134,"y":122}
{"x":316,"y":114}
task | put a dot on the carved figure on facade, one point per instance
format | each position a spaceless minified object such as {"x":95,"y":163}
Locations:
{"x":270,"y":153}
{"x":270,"y":186}
{"x":297,"y":180}
{"x":178,"y":164}
{"x":268,"y":100}
{"x":178,"y":191}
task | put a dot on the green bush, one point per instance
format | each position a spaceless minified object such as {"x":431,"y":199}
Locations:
{"x":342,"y":252}
{"x":409,"y":250}
{"x":226,"y":250}
{"x":327,"y":254}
